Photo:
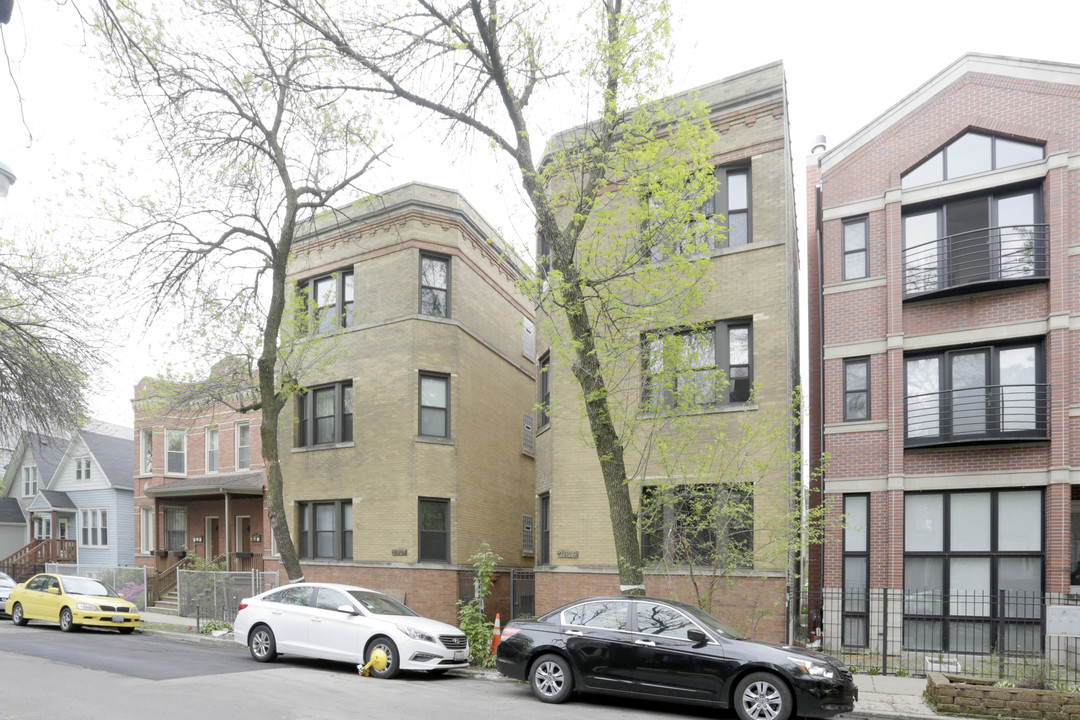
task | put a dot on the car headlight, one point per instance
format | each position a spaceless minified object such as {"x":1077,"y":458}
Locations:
{"x":814,"y":668}
{"x":88,"y":607}
{"x":416,"y":634}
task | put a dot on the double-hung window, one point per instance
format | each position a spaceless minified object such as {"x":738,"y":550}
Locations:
{"x":330,"y":300}
{"x":434,"y":285}
{"x":732,"y":200}
{"x":95,"y":527}
{"x":434,"y":405}
{"x":705,"y":524}
{"x":543,"y":553}
{"x":243,"y":445}
{"x":544,"y":376}
{"x":175,"y":528}
{"x":212,"y":450}
{"x":82,"y":468}
{"x":856,"y":389}
{"x":856,"y":255}
{"x":146,"y":451}
{"x":703,"y":366}
{"x":326,"y":530}
{"x":996,"y":392}
{"x":146,"y":529}
{"x":325,"y":415}
{"x":176,"y":452}
{"x":30,"y":481}
{"x":434,"y":529}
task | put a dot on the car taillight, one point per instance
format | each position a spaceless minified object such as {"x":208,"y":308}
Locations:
{"x":242,"y":606}
{"x":507,"y":632}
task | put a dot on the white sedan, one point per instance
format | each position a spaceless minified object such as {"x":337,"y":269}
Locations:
{"x":347,"y":623}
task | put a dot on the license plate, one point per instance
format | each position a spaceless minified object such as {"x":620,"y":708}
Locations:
{"x":459,"y":655}
{"x":119,"y":618}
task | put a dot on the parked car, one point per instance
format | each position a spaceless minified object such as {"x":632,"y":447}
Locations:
{"x":668,"y":650}
{"x":71,"y":601}
{"x":6,"y":583}
{"x":347,"y":623}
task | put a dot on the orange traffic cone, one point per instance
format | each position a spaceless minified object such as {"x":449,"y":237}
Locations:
{"x":496,"y":634}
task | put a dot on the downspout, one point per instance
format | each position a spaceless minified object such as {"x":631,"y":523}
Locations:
{"x":227,"y":521}
{"x":818,"y":219}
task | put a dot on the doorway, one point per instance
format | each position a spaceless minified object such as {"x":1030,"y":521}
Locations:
{"x":211,"y":540}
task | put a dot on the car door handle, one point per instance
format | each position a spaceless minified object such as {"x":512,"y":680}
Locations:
{"x":650,"y":643}
{"x":318,"y":620}
{"x":275,"y":612}
{"x":574,"y":632}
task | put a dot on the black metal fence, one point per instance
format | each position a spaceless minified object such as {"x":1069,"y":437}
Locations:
{"x":1026,"y":638}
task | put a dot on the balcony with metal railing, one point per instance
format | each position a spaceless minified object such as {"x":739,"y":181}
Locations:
{"x":976,"y":260}
{"x":989,"y":413}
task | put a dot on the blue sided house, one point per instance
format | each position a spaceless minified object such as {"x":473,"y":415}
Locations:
{"x":68,"y":501}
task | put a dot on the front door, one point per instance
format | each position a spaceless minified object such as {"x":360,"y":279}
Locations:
{"x":211,"y":544}
{"x":62,"y":529}
{"x":243,"y":540}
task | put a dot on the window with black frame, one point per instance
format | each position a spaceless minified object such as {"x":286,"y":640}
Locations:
{"x":974,"y":571}
{"x":855,"y":631}
{"x":326,"y":530}
{"x":707,"y":524}
{"x":434,"y":522}
{"x":701,"y":366}
{"x":976,"y":394}
{"x":325,"y":415}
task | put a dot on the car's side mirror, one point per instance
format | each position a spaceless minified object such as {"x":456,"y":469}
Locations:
{"x":697,"y":637}
{"x":348,"y":609}
{"x":54,"y":591}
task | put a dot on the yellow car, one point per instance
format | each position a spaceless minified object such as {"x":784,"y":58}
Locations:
{"x":71,"y":601}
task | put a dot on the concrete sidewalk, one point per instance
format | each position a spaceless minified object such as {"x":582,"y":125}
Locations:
{"x":887,"y":696}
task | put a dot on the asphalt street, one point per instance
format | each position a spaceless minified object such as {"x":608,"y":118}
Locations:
{"x":91,"y":674}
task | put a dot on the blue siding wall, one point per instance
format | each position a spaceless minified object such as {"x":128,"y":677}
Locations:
{"x":121,"y":522}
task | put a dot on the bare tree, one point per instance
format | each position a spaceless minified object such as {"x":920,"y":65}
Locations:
{"x":480,"y":64}
{"x":48,"y":347}
{"x":254,"y":151}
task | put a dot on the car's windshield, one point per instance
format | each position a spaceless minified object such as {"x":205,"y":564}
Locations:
{"x":379,"y":604}
{"x":87,"y":586}
{"x":710,"y":622}
{"x":6,"y":581}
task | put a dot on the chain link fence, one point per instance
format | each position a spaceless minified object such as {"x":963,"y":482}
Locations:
{"x":215,"y":594}
{"x":129,"y":582}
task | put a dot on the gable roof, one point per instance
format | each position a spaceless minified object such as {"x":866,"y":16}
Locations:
{"x":115,"y":455}
{"x":51,"y":500}
{"x":48,"y":452}
{"x":1018,"y":68}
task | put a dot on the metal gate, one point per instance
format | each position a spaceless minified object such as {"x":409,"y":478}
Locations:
{"x":522,"y":593}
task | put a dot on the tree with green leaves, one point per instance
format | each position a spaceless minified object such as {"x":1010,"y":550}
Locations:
{"x":612,"y":198}
{"x":249,"y":151}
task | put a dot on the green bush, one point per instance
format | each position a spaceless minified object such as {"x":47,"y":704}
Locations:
{"x":471,"y":614}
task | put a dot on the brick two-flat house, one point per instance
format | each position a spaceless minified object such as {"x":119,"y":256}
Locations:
{"x":944,"y":322}
{"x":412,"y":443}
{"x":752,"y":309}
{"x":199,"y":484}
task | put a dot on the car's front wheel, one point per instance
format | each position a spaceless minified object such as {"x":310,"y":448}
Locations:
{"x":763,"y":696}
{"x":261,"y":643}
{"x":551,"y":679}
{"x":17,"y":615}
{"x":67,"y":621}
{"x":392,"y":665}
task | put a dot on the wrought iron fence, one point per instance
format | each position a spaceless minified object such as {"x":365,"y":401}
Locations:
{"x":216,"y":595}
{"x":1022,"y":637}
{"x":129,"y":581}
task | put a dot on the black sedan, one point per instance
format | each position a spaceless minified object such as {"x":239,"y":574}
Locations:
{"x":668,"y":650}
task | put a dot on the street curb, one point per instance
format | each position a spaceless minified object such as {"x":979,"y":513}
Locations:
{"x":191,"y":637}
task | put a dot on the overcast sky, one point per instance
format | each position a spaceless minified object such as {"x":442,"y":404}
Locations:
{"x":846,"y":63}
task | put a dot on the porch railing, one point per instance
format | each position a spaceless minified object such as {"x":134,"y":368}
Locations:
{"x":46,"y":550}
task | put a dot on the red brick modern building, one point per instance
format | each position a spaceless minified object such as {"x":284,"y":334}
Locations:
{"x":944,"y":274}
